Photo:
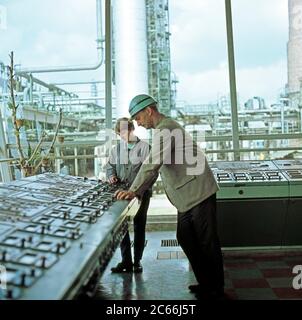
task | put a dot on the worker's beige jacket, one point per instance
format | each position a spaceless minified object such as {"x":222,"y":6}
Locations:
{"x":186,"y":175}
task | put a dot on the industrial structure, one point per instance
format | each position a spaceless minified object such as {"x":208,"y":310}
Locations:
{"x":158,"y":34}
{"x":141,"y":63}
{"x":64,"y":130}
{"x":294,"y":47}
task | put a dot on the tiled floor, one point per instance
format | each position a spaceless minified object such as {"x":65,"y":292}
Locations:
{"x":262,"y":276}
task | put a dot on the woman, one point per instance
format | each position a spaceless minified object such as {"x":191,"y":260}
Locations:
{"x":124,"y":163}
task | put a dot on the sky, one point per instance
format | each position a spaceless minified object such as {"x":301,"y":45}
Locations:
{"x":63,"y":32}
{"x":199,"y":48}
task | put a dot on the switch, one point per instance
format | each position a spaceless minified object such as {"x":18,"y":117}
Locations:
{"x":9,"y":294}
{"x":4,"y":255}
{"x":23,"y":280}
{"x":58,"y":248}
{"x":23,"y":243}
{"x":91,"y":219}
{"x":43,"y":262}
{"x":32,"y":272}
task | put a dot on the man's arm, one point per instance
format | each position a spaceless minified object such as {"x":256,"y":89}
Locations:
{"x":145,"y":153}
{"x":148,"y":173}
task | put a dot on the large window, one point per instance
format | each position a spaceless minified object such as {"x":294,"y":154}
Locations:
{"x":200,"y":63}
{"x":261,"y":35}
{"x":269,"y":111}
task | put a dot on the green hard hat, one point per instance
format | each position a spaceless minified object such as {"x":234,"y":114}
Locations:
{"x":140,"y":102}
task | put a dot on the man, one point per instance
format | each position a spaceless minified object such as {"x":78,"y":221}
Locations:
{"x":123,"y":165}
{"x":191,"y":188}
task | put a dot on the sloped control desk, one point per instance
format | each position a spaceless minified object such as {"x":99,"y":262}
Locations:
{"x":259,"y":202}
{"x":57,"y":234}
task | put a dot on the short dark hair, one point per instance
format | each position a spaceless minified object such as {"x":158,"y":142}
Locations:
{"x":122,"y":124}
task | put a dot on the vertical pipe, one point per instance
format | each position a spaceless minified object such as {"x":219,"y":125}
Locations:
{"x":282,"y":119}
{"x":76,"y":161}
{"x":301,"y":119}
{"x":232,"y":78}
{"x":108,"y":64}
{"x":108,"y":75}
{"x":57,"y":161}
{"x":99,"y":30}
{"x":54,"y":101}
{"x":31,"y":89}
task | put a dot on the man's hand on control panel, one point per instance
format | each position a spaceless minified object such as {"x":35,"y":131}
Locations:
{"x":124,"y":195}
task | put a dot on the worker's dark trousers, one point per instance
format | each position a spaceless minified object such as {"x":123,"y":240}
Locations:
{"x":197,"y":235}
{"x":139,"y":228}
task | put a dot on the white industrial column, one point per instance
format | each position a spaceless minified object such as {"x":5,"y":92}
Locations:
{"x":131,"y":56}
{"x":294,"y":46}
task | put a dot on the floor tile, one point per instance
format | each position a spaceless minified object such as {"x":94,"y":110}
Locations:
{"x":280,"y":282}
{"x":272,"y":264}
{"x":256,"y":294}
{"x":250,"y":283}
{"x":277,"y":273}
{"x":167,"y":275}
{"x":288,"y":293}
{"x":245,"y":274}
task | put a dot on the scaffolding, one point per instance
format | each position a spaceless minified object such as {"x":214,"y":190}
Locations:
{"x":159,"y":54}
